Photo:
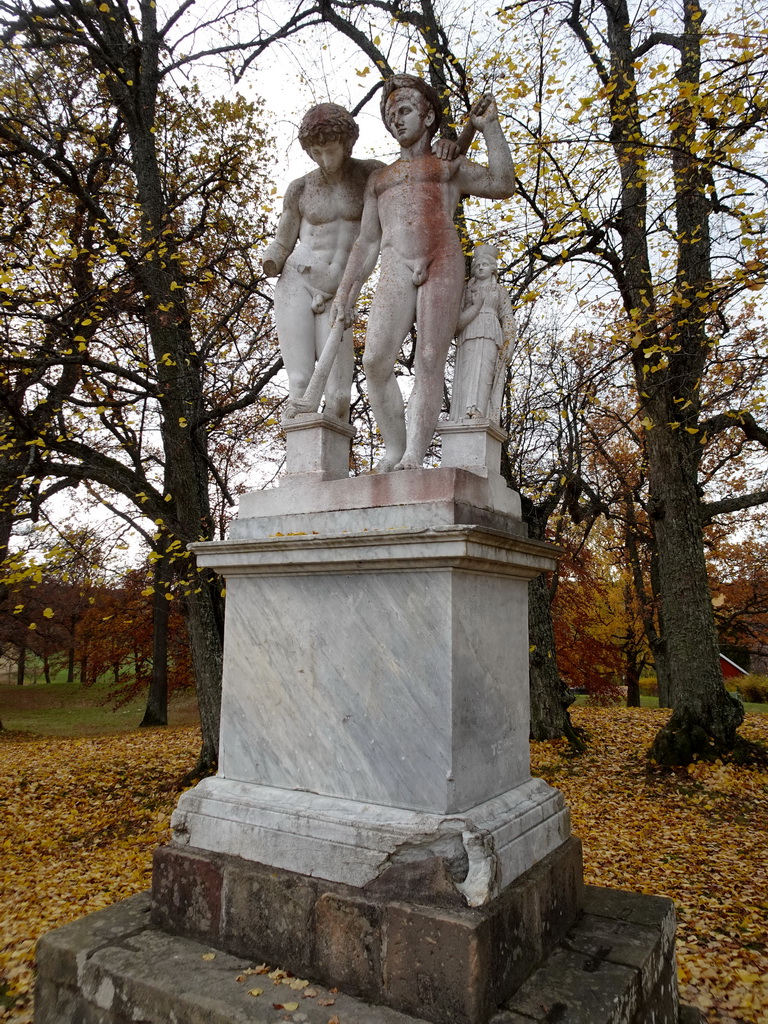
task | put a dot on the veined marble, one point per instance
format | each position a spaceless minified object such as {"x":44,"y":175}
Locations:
{"x":375,"y":693}
{"x":477,"y":488}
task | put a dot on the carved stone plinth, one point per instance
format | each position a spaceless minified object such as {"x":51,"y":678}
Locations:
{"x":407,"y":940}
{"x":615,"y":965}
{"x":473,"y":444}
{"x":317,"y":446}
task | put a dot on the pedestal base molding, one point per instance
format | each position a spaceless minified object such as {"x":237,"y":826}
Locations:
{"x":347,"y":841}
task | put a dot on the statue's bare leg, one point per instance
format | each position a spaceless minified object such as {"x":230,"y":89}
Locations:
{"x":295,"y":322}
{"x":391,"y":317}
{"x":438,"y":304}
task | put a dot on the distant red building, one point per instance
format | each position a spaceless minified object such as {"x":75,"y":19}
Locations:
{"x":730,"y":669}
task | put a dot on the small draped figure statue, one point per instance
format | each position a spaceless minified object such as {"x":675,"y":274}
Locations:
{"x":485,"y":339}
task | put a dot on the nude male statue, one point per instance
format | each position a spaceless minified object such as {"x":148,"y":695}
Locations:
{"x":317,"y":229}
{"x":408,"y":217}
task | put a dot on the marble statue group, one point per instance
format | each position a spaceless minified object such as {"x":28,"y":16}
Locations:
{"x":340,"y":218}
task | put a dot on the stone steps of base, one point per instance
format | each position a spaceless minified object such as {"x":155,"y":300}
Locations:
{"x":114,"y":967}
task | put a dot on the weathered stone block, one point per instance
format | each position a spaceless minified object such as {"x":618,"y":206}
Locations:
{"x":515,"y":938}
{"x":187,"y":893}
{"x":348,"y":944}
{"x":435,"y":963}
{"x":569,"y":988}
{"x":635,"y":908}
{"x":559,"y":888}
{"x":63,"y":950}
{"x":267,"y":914}
{"x":114,"y":967}
{"x":639,"y":931}
{"x":616,"y":965}
{"x":407,"y":940}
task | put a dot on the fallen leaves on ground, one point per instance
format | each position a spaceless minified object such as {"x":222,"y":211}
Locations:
{"x":80,"y":820}
{"x":698,"y":835}
{"x":82,"y":817}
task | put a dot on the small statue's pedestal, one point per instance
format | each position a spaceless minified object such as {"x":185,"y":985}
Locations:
{"x":317,"y":445}
{"x":473,"y":444}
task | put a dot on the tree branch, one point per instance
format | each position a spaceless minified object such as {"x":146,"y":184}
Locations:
{"x":736,"y":503}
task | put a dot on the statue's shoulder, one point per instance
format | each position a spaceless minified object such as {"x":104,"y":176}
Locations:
{"x":362,"y":170}
{"x":296,"y":188}
{"x":369,"y":166}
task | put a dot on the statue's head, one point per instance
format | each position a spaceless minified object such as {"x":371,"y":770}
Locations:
{"x":485,"y":260}
{"x":328,"y":122}
{"x":423,"y":94}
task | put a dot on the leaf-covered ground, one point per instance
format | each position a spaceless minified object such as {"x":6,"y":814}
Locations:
{"x":82,"y":816}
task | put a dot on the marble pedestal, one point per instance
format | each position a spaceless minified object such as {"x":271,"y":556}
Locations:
{"x":375,"y":701}
{"x":373,"y":825}
{"x":318,"y":445}
{"x":472,"y":444}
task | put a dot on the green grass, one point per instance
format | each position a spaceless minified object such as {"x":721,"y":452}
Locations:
{"x":653,"y":702}
{"x":70,"y":709}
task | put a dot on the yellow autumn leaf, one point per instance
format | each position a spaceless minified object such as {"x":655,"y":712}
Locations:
{"x":255,"y":991}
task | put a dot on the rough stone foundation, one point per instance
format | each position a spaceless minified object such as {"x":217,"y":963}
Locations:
{"x":614,"y":966}
{"x":408,"y":940}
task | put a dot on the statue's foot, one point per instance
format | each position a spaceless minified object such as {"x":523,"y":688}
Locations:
{"x":295,"y":407}
{"x":409,"y":463}
{"x":385,"y":465}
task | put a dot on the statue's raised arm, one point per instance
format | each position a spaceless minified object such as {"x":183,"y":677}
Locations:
{"x":497,"y":180}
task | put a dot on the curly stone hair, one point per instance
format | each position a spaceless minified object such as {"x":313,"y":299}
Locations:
{"x":327,"y":122}
{"x":420,"y":86}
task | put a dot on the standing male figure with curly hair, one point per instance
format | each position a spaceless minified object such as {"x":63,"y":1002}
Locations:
{"x":317,"y":229}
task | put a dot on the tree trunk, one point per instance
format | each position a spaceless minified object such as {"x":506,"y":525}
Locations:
{"x":71,"y":665}
{"x":187,"y":466}
{"x":703,"y":712}
{"x":669,"y":356}
{"x":20,"y":666}
{"x":204,"y":613}
{"x":661,"y":665}
{"x":47,"y":669}
{"x":550,"y":697}
{"x":84,"y":670}
{"x":156,"y":711}
{"x":633,"y":683}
